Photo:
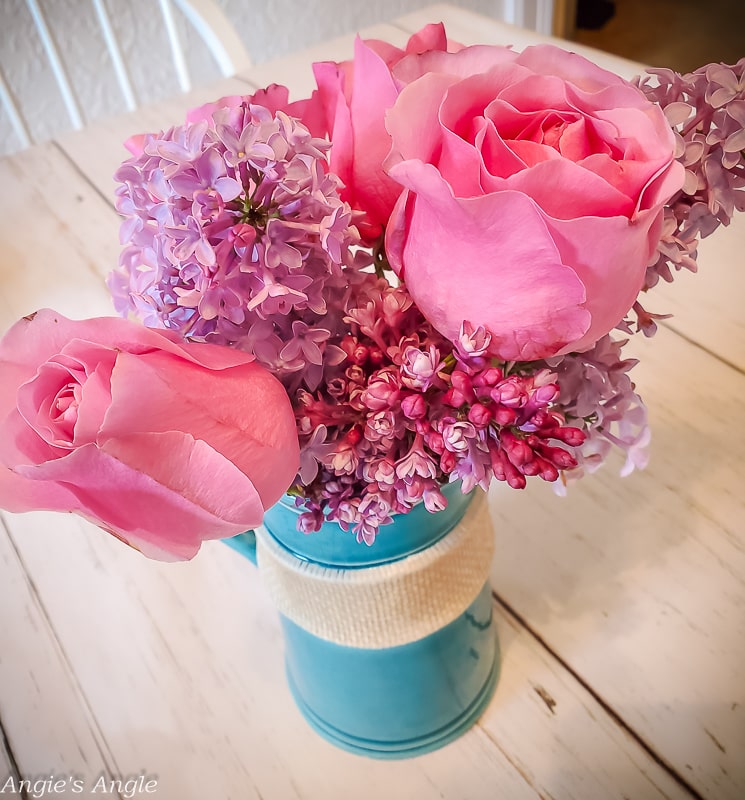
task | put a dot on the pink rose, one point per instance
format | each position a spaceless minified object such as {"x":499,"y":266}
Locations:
{"x":163,"y":444}
{"x":355,"y":95}
{"x":534,"y":188}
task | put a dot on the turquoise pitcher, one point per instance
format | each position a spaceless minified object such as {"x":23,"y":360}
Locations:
{"x":390,"y":649}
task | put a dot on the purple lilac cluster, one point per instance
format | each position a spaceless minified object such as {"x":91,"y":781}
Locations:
{"x":597,"y":392}
{"x":235,"y":234}
{"x":706,"y":109}
{"x":410,"y":411}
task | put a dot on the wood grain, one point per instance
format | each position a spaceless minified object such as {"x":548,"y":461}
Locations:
{"x":46,"y":719}
{"x":9,"y":776}
{"x":59,"y":238}
{"x":187,"y":659}
{"x":639,"y":583}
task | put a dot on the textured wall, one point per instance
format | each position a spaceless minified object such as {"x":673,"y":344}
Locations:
{"x":281,"y":26}
{"x":269,"y":29}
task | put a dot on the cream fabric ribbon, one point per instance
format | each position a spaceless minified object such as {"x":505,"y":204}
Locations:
{"x":386,"y":605}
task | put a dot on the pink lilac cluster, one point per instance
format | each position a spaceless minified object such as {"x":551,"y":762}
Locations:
{"x":706,"y":110}
{"x":410,"y":411}
{"x":235,"y":235}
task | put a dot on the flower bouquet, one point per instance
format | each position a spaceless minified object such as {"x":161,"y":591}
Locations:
{"x":378,"y":299}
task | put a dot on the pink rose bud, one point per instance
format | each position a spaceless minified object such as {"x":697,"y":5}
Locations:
{"x":454,"y":398}
{"x":423,"y":426}
{"x":570,"y":435}
{"x":504,"y":416}
{"x":518,"y":451}
{"x":161,"y":443}
{"x":504,"y":470}
{"x":435,"y":442}
{"x":354,"y":436}
{"x":544,"y":395}
{"x":462,"y":383}
{"x":376,"y":356}
{"x":382,"y":392}
{"x":511,"y":392}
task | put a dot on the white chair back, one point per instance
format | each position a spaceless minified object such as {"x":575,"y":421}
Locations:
{"x":203,"y":16}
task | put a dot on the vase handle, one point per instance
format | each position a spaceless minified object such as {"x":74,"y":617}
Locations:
{"x":245,"y":544}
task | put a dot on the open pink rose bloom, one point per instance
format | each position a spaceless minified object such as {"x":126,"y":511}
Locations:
{"x":533,"y":193}
{"x":162,"y":443}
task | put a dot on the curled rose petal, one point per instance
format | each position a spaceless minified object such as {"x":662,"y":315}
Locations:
{"x":531,"y":302}
{"x":355,"y":96}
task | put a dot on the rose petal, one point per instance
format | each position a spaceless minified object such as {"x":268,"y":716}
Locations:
{"x":547,"y":59}
{"x":566,"y":190}
{"x":413,"y":122}
{"x":37,"y":337}
{"x":607,"y":252}
{"x":468,"y":61}
{"x":150,"y":491}
{"x":263,"y":445}
{"x":430,"y":37}
{"x":374,"y":90}
{"x":489,"y":260}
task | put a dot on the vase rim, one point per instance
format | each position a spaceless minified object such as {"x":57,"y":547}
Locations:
{"x":333,"y":547}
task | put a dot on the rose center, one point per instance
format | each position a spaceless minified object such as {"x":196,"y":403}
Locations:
{"x":64,"y":410}
{"x":553,"y":130}
{"x":50,"y":402}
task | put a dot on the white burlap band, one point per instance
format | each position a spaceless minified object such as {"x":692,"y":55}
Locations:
{"x":387,"y":605}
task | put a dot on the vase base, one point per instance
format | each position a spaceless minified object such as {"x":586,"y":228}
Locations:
{"x":409,"y":747}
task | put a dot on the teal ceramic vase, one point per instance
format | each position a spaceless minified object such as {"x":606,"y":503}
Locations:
{"x":390,"y":649}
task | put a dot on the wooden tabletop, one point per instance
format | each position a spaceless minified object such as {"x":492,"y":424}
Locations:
{"x":620,"y":608}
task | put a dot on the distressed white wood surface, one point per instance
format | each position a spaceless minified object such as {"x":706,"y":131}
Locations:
{"x":708,"y":306}
{"x":59,"y":240}
{"x":192,"y":659}
{"x":171,"y":659}
{"x":43,"y":713}
{"x":639,"y":583}
{"x":8,"y":772}
{"x":633,"y":587}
